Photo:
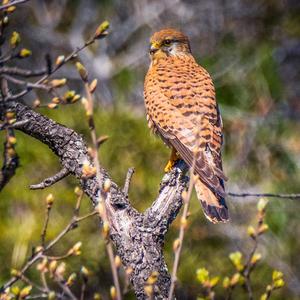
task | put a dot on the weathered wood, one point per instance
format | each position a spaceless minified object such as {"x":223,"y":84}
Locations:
{"x":137,"y":237}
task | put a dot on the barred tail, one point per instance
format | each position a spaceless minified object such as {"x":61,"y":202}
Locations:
{"x":214,"y":206}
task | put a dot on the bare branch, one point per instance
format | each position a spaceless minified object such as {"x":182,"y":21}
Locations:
{"x":66,"y":289}
{"x":99,"y":175}
{"x":177,"y":245}
{"x":14,"y":125}
{"x":41,"y":253}
{"x":169,"y":201}
{"x":266,"y":195}
{"x":129,"y":175}
{"x":10,"y":160}
{"x":21,"y":72}
{"x":50,"y":72}
{"x":137,"y":237}
{"x":51,"y":180}
{"x":29,"y":85}
{"x":44,"y":231}
{"x":12,"y":3}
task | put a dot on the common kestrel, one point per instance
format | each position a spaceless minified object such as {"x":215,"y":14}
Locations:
{"x":182,"y":109}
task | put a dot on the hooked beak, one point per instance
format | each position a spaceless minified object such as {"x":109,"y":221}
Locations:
{"x":154,"y":47}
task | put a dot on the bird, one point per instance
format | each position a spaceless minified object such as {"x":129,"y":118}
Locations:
{"x":181,"y":108}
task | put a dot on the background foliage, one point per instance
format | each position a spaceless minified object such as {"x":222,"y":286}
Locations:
{"x":251,"y":48}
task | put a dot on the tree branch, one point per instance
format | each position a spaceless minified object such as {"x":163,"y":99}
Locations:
{"x":21,"y":72}
{"x":266,"y":195}
{"x":51,"y":71}
{"x":12,"y":3}
{"x":138,"y":237}
{"x":10,"y":161}
{"x":129,"y":175}
{"x":51,"y":180}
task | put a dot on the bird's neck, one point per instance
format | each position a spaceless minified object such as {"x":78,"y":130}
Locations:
{"x":169,"y":59}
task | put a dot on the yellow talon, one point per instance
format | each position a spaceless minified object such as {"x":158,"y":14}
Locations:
{"x":172,"y":161}
{"x":169,"y":166}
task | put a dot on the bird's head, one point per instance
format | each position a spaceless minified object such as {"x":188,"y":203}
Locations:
{"x":168,"y":42}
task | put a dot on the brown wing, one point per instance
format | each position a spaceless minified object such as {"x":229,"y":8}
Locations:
{"x":181,"y":105}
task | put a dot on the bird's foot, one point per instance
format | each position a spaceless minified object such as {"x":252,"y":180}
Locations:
{"x":170,"y":165}
{"x":172,"y":161}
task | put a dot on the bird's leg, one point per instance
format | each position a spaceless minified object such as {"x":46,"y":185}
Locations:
{"x":172,"y":160}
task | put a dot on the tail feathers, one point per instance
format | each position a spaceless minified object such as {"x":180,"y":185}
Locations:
{"x":214,"y":206}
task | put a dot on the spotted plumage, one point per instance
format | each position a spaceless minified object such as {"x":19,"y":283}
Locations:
{"x":181,"y":108}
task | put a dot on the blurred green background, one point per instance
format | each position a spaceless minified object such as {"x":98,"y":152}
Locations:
{"x":251,"y":49}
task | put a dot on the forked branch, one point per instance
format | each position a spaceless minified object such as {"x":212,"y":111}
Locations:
{"x":137,"y":237}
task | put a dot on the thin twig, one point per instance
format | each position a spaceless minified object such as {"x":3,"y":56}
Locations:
{"x":229,"y":292}
{"x":266,"y":195}
{"x":83,"y":288}
{"x":29,"y":85}
{"x":15,"y":125}
{"x":12,"y":3}
{"x":71,"y":56}
{"x":247,"y":270}
{"x":10,"y":160}
{"x":14,"y":279}
{"x":78,"y":203}
{"x":181,"y":236}
{"x":51,"y":180}
{"x":184,"y":216}
{"x":182,"y":229}
{"x":249,"y":265}
{"x":72,"y":225}
{"x":93,"y":213}
{"x":114,"y":269}
{"x":129,"y":175}
{"x":44,"y":281}
{"x":29,"y":282}
{"x":40,"y":296}
{"x":44,"y":231}
{"x":59,"y":257}
{"x":40,"y":254}
{"x":99,"y":176}
{"x":21,"y":72}
{"x":66,"y":289}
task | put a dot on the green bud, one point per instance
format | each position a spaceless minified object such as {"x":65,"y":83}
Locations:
{"x":251,"y":231}
{"x":202,"y":275}
{"x":15,"y":290}
{"x":263,"y":297}
{"x":24,"y":53}
{"x":51,"y":295}
{"x":15,"y":39}
{"x":277,"y":275}
{"x":214,"y":281}
{"x":278,"y":284}
{"x":236,"y":259}
{"x":261,"y":205}
{"x":82,"y":71}
{"x":71,"y":279}
{"x":226,"y":282}
{"x":235,"y":279}
{"x":25,"y":291}
{"x":263,"y":228}
{"x":255,"y":258}
{"x":269,"y":288}
{"x":101,"y":30}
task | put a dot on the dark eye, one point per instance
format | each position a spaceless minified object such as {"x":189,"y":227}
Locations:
{"x":167,"y":42}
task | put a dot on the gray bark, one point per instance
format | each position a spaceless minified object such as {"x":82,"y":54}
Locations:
{"x":137,"y":237}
